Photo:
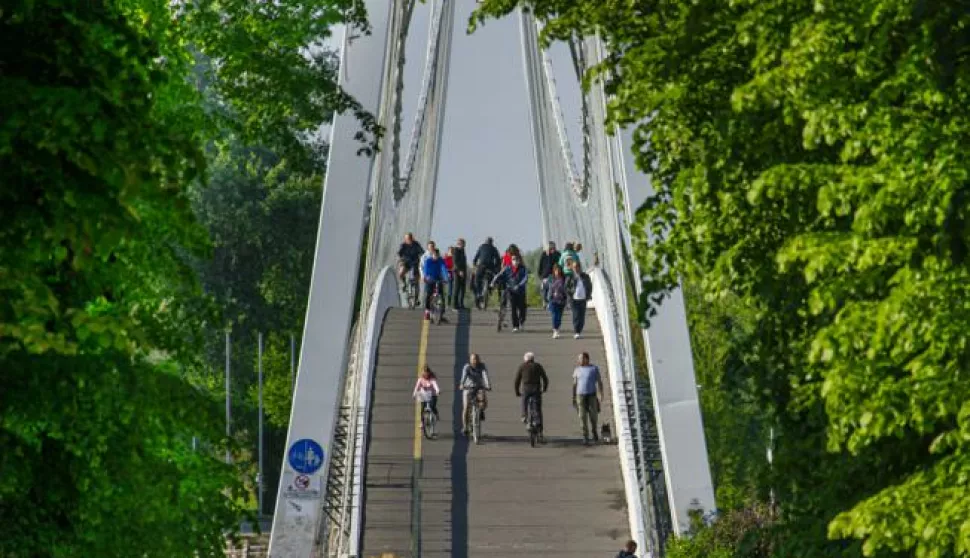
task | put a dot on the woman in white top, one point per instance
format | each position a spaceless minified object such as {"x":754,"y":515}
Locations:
{"x":427,"y":385}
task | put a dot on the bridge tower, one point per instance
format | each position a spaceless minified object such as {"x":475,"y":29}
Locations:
{"x":370,"y":200}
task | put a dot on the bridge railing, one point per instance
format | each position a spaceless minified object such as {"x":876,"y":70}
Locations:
{"x":640,"y":457}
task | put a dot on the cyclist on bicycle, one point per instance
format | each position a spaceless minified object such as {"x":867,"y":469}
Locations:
{"x":409,"y":254}
{"x":531,"y":378}
{"x":474,"y":378}
{"x":435,"y":275}
{"x":515,"y":277}
{"x":486,"y":259}
{"x":427,"y":384}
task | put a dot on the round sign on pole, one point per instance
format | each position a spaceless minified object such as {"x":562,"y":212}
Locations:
{"x":305,"y":456}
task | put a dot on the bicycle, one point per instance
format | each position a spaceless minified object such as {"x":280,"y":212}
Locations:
{"x":437,"y":305}
{"x":485,"y":283}
{"x":476,"y":417}
{"x":533,"y":419}
{"x":502,"y":309}
{"x":428,"y":420}
{"x":411,"y":288}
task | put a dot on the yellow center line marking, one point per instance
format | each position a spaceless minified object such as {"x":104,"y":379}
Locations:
{"x":419,"y":407}
{"x":416,"y":466}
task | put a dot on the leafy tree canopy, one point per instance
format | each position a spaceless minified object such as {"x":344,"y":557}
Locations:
{"x":97,"y":309}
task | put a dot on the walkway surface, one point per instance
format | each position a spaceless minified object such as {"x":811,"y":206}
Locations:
{"x":451,"y":498}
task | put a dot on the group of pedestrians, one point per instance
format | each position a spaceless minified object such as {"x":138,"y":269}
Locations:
{"x":563,"y":283}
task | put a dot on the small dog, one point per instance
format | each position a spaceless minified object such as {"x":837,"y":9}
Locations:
{"x":605,"y":434}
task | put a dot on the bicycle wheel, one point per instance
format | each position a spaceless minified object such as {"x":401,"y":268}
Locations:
{"x":533,"y":423}
{"x":439,"y":307}
{"x":476,"y":424}
{"x":428,"y":426}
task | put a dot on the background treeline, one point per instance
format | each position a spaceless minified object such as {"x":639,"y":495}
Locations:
{"x":160,"y":181}
{"x":811,"y":171}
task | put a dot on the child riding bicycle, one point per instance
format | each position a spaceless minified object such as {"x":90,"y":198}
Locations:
{"x":426,"y":389}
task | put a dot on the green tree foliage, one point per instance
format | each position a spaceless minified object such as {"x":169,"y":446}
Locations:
{"x":739,"y":533}
{"x":265,"y":68}
{"x":262,"y":219}
{"x":735,"y":423}
{"x":98,"y":310}
{"x":269,"y":84}
{"x":809,"y":159}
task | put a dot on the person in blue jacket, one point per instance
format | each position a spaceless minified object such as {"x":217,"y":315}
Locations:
{"x":435,"y":275}
{"x":515,"y":278}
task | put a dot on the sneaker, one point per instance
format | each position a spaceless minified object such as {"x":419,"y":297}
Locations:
{"x":555,"y":334}
{"x":523,"y":419}
{"x":515,"y":330}
{"x":577,"y":336}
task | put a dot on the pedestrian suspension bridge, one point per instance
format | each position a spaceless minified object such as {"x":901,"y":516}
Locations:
{"x":358,"y":478}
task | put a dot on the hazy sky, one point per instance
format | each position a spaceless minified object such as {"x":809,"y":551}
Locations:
{"x":487,"y":184}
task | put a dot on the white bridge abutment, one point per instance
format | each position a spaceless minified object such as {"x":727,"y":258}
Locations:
{"x":323,"y":354}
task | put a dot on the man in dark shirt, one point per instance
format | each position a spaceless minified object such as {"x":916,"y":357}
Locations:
{"x":408,"y":256}
{"x":531,"y":381}
{"x":461,"y":275}
{"x":548,"y":259}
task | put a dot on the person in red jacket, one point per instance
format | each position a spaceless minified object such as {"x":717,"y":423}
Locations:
{"x":450,"y":266}
{"x":510,"y":253}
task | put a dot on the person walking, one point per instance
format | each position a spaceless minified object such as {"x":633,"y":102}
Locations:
{"x":450,"y":266}
{"x":580,"y":289}
{"x":557,"y":298}
{"x":548,"y":260}
{"x":461,"y":275}
{"x":566,"y":259}
{"x":587,"y":396}
{"x":515,"y":277}
{"x":629,"y":550}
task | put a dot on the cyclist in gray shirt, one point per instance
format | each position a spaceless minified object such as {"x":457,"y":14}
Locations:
{"x":474,"y":377}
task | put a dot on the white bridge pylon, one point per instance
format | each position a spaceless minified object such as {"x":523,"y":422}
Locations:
{"x":392,"y":192}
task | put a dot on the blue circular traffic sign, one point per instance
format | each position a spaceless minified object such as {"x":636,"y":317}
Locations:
{"x":305,"y":456}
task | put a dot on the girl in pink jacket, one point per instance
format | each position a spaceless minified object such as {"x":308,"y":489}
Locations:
{"x":426,"y":386}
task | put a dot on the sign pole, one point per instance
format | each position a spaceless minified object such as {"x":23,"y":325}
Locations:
{"x":259,"y":478}
{"x":228,"y":394}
